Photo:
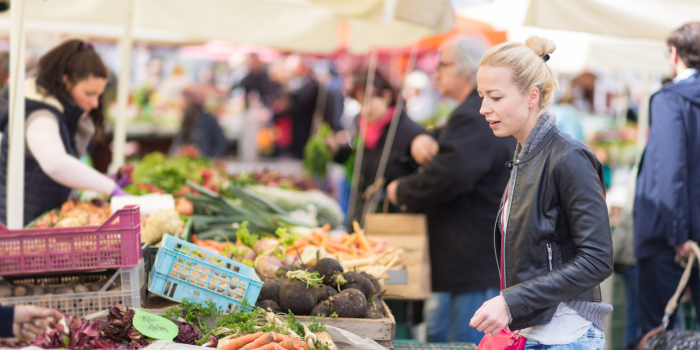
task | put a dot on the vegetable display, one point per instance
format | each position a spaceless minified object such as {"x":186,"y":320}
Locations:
{"x":273,"y":179}
{"x":251,"y":328}
{"x":157,"y":173}
{"x":75,"y":213}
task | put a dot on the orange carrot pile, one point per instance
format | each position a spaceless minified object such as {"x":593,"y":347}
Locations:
{"x":346,"y":245}
{"x":264,"y":341}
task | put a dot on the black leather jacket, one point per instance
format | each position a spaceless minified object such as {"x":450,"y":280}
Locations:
{"x":558,"y":243}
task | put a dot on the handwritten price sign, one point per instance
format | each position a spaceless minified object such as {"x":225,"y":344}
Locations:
{"x":154,"y":327}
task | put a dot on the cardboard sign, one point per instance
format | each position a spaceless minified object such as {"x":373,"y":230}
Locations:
{"x":155,"y":327}
{"x":410,"y":233}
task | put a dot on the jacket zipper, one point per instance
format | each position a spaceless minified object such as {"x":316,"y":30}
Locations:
{"x":549,"y":253}
{"x":507,"y":220}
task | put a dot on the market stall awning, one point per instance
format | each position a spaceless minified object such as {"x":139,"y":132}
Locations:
{"x":579,"y":52}
{"x":653,"y":19}
{"x":294,"y":25}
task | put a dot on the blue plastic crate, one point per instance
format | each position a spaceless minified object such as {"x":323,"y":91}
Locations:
{"x":183,"y":270}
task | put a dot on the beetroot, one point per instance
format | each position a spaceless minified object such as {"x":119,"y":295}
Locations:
{"x":356,"y":280}
{"x":327,"y":268}
{"x":269,"y":305}
{"x":271,"y":290}
{"x":374,"y":314}
{"x":297,"y":297}
{"x":324,"y":292}
{"x":349,"y":303}
{"x":375,"y":281}
{"x":321,"y":310}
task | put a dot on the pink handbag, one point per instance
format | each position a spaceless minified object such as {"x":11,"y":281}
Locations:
{"x":504,"y":340}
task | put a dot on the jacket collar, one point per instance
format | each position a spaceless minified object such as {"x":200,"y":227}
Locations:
{"x":32,"y":92}
{"x":540,"y":136}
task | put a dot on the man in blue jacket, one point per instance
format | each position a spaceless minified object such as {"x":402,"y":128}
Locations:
{"x":667,"y":203}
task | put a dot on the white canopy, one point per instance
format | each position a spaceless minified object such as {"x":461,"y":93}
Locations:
{"x":576,"y":51}
{"x":295,"y":25}
{"x":652,"y":19}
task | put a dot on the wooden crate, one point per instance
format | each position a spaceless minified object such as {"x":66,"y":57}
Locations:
{"x":383,"y":331}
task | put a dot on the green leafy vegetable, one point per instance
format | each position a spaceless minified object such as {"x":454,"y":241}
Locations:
{"x":312,"y":279}
{"x":315,"y":326}
{"x":316,"y":153}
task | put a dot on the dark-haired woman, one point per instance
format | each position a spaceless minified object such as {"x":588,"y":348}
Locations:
{"x":381,"y":110}
{"x":199,"y":128}
{"x":63,"y":114}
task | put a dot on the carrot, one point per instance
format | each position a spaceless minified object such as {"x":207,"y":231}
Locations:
{"x":270,"y":346}
{"x":241,"y":341}
{"x":292,"y":344}
{"x":350,"y":240}
{"x":337,"y":246}
{"x":363,"y":241}
{"x":265,"y":339}
{"x":326,"y":228}
{"x":331,"y":249}
{"x":305,"y":345}
{"x":353,"y":249}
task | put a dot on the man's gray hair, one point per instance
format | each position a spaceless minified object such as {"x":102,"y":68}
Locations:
{"x":467,"y":55}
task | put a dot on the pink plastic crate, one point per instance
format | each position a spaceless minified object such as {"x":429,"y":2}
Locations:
{"x":117,"y":243}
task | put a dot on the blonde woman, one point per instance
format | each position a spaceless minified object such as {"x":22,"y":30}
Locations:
{"x":552,"y":237}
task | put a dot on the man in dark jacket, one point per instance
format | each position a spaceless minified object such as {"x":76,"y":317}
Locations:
{"x":667,"y":203}
{"x":459,"y":190}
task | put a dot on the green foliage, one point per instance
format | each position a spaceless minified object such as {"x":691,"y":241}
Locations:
{"x":334,"y":314}
{"x":312,"y":279}
{"x":315,"y":326}
{"x":316,"y":153}
{"x":194,"y":313}
{"x":245,"y":236}
{"x":167,"y":174}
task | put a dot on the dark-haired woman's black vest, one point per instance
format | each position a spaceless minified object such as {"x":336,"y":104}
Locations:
{"x":41,"y":193}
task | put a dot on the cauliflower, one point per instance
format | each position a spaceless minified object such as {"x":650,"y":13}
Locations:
{"x":159,"y":223}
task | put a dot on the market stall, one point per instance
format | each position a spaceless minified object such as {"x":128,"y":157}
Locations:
{"x":212,"y":238}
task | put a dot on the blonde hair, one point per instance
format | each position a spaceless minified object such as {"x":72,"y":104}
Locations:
{"x":529,"y":67}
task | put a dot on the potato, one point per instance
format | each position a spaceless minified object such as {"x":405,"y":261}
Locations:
{"x":97,"y":286}
{"x":38,"y":290}
{"x":64,"y":290}
{"x":20,"y":291}
{"x":5,"y":291}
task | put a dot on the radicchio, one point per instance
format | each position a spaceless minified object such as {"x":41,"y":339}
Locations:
{"x":187,"y":334}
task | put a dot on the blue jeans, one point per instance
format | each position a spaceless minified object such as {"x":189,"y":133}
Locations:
{"x":448,"y":314}
{"x":594,"y":339}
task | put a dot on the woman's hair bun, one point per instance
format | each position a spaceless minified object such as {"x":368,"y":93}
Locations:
{"x":541,"y":46}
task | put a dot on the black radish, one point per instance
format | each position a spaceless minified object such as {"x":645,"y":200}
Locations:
{"x":356,"y":280}
{"x":349,"y":303}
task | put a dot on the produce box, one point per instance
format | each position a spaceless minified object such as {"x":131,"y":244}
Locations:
{"x":117,"y":243}
{"x":183,"y":270}
{"x":126,"y":286}
{"x":153,"y":249}
{"x":383,"y":331}
{"x":410,"y":233}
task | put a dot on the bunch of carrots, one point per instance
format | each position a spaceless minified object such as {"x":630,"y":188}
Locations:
{"x":264,"y":341}
{"x":347,"y":246}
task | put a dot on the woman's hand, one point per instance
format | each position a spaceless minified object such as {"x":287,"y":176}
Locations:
{"x":31,"y":321}
{"x":423,"y":149}
{"x":491,"y":317}
{"x":391,"y":192}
